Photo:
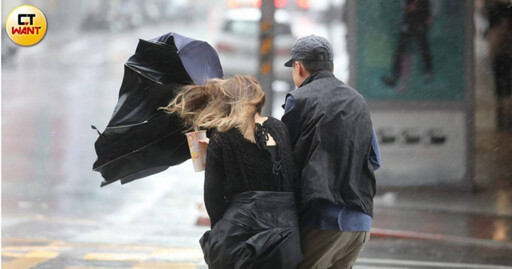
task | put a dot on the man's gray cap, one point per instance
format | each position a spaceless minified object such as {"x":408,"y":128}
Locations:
{"x":312,"y":49}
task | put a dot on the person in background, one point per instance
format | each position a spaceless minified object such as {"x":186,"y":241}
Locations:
{"x":499,"y":14}
{"x":415,"y":23}
{"x":336,"y":153}
{"x":250,"y":177}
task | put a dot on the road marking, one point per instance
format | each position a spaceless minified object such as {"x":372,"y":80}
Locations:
{"x":432,"y":264}
{"x":169,"y":254}
{"x":30,"y":259}
{"x":10,"y":254}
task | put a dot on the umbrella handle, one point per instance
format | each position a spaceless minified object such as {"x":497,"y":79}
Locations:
{"x":94,"y":127}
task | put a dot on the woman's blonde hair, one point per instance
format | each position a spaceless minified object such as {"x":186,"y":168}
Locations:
{"x":220,"y":103}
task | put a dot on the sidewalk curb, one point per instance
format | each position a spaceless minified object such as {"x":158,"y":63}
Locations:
{"x":400,"y":234}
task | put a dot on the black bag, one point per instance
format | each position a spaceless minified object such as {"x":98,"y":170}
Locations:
{"x":258,"y":230}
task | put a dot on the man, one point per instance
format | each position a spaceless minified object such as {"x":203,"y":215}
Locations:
{"x":332,"y":137}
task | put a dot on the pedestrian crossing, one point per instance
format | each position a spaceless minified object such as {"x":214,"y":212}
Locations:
{"x":27,"y":254}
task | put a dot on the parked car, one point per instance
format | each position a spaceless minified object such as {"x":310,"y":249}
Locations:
{"x":238,"y":43}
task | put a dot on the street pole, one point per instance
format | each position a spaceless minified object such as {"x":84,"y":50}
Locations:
{"x":266,"y":53}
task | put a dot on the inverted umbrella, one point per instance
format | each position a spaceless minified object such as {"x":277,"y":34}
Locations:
{"x":141,"y":140}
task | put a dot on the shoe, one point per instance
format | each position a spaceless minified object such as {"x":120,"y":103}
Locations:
{"x":389,"y":81}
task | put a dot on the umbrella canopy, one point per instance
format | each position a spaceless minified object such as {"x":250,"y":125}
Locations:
{"x":141,"y":140}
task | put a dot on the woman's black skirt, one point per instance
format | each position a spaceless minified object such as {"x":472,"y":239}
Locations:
{"x":258,"y":230}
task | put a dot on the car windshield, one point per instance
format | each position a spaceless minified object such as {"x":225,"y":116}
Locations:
{"x":250,"y":28}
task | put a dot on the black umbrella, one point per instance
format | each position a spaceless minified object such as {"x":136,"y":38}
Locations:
{"x":141,"y":140}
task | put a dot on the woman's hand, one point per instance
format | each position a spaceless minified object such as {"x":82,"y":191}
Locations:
{"x":204,"y":143}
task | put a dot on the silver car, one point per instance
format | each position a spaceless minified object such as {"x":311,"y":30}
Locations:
{"x":238,"y":43}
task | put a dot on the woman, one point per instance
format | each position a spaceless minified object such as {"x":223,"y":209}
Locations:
{"x":249,"y":176}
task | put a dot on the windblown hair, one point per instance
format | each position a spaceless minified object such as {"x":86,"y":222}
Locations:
{"x":220,"y":103}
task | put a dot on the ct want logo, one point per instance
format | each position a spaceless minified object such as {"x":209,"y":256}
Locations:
{"x":26,"y":25}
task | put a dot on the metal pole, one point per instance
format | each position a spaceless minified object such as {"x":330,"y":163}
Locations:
{"x":266,"y":53}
